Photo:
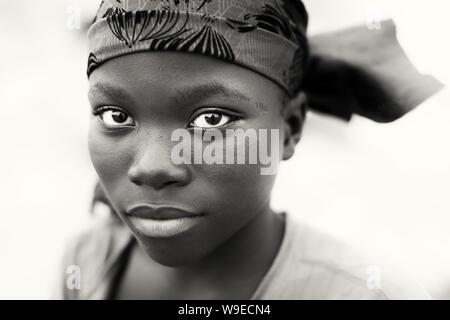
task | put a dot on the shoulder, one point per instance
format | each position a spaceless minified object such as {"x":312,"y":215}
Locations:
{"x":91,"y":255}
{"x":320,"y":266}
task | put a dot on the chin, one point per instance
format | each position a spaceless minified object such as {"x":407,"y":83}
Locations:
{"x":169,"y":252}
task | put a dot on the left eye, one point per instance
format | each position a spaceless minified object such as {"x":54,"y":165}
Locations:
{"x":115,"y":118}
{"x":211,"y":120}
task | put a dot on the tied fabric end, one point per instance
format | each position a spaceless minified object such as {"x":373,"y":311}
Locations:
{"x":365,"y":72}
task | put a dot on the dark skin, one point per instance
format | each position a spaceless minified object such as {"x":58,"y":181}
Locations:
{"x":138,"y":100}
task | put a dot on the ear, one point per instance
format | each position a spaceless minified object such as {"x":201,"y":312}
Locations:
{"x":293,"y":117}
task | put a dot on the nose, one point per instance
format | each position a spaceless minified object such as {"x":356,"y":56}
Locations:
{"x":153,"y":167}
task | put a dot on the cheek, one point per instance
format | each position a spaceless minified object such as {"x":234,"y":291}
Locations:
{"x":235,"y":194}
{"x":236,"y":188}
{"x":109,"y":158}
{"x":245,"y":186}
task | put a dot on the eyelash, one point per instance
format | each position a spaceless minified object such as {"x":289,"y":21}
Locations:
{"x":98,"y":111}
{"x":234,"y":116}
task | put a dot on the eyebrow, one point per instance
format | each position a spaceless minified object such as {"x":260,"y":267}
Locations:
{"x":204,"y":91}
{"x":111,"y":91}
{"x":195,"y":92}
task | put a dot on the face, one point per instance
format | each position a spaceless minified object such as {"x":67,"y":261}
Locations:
{"x":179,"y":212}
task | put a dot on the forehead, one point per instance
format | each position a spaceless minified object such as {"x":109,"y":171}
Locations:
{"x":181,"y":75}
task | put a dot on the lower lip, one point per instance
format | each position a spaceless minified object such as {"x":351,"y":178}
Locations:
{"x":164,"y":228}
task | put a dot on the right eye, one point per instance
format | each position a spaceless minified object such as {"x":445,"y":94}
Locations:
{"x":114,"y":117}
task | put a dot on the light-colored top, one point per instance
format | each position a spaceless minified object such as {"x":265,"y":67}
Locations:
{"x":309,"y":265}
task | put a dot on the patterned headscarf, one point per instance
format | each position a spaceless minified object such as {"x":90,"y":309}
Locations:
{"x":265,"y":36}
{"x":355,"y":71}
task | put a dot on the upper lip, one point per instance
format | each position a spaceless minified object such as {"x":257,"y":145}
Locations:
{"x":160,"y":212}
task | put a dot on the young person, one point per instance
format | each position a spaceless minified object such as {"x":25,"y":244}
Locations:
{"x":205,"y":229}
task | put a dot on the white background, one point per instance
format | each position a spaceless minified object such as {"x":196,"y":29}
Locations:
{"x":382,"y":187}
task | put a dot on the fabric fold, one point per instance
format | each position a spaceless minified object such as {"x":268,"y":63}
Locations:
{"x":365,"y":72}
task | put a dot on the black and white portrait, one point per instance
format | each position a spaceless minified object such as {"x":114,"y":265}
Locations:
{"x":225,"y":150}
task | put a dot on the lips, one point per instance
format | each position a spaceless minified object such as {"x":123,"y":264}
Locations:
{"x":162,"y":221}
{"x":160,"y":212}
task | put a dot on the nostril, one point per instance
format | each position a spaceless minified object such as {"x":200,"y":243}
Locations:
{"x":135,"y":180}
{"x":157,"y":179}
{"x":134,"y":176}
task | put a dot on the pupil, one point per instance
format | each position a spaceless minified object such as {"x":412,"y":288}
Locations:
{"x":119,"y":117}
{"x":213,"y":119}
